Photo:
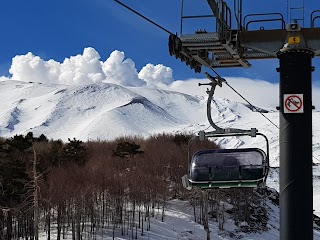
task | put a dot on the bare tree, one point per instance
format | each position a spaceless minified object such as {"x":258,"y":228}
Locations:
{"x":35,"y":196}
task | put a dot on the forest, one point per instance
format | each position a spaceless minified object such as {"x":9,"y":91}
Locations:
{"x":77,"y":187}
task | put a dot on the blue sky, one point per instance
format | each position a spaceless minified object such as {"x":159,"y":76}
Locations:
{"x":62,"y":28}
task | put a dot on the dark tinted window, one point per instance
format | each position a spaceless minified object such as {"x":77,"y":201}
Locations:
{"x":228,"y":157}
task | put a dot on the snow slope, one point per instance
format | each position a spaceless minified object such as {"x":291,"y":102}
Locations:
{"x":179,"y":224}
{"x":102,"y":111}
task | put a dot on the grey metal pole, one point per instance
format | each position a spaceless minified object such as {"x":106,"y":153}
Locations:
{"x":296,"y":192}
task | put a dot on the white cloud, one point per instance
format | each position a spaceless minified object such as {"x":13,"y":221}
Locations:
{"x":81,"y":69}
{"x":32,"y":68}
{"x":3,"y":78}
{"x":86,"y":68}
{"x":120,"y":71}
{"x":156,"y":74}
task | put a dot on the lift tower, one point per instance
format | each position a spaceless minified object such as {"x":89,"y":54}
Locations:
{"x":233,"y":45}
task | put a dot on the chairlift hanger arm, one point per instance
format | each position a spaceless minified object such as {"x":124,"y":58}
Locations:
{"x":218,"y":130}
{"x":214,"y":82}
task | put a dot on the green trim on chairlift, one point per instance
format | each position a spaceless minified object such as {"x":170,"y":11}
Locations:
{"x":242,"y":184}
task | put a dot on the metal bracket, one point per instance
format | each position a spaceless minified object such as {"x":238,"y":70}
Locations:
{"x":217,"y":81}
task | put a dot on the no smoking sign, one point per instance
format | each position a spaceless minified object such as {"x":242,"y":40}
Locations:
{"x":293,"y":103}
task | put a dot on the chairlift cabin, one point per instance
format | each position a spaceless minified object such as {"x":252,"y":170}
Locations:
{"x":225,"y":168}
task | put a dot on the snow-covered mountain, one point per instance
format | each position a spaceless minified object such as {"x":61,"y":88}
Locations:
{"x":103,"y":111}
{"x":106,"y":111}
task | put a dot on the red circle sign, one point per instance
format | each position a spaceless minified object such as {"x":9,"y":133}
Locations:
{"x":293,"y":103}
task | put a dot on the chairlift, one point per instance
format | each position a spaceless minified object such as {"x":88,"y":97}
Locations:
{"x":226,"y":168}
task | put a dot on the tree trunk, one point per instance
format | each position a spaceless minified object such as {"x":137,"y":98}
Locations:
{"x":205,"y":209}
{"x":78,"y":225}
{"x":36,"y":197}
{"x":59,"y":221}
{"x":9,"y":225}
{"x":142,"y":233}
{"x":49,"y":224}
{"x":163,"y":210}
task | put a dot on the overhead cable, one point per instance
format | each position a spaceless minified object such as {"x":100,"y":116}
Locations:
{"x":145,"y":18}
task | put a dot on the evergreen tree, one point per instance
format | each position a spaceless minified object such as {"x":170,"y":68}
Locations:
{"x":127,"y":149}
{"x":75,"y":152}
{"x":15,"y":154}
{"x":42,"y":138}
{"x":56,"y":152}
{"x":19,"y":143}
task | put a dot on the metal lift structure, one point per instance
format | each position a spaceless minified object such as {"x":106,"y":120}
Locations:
{"x":294,"y":45}
{"x":234,"y":43}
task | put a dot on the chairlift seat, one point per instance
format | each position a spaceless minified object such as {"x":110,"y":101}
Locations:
{"x":221,"y":168}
